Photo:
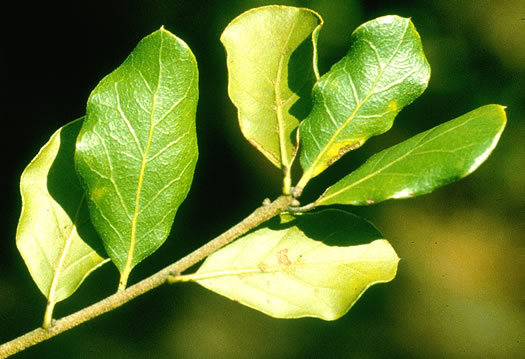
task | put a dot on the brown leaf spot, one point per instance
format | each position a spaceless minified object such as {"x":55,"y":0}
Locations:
{"x":282,"y":257}
{"x":342,"y":151}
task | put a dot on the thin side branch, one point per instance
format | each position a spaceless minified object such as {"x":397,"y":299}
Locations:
{"x":259,"y":216}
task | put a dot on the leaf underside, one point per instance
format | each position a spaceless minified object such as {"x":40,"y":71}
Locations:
{"x":384,"y":70}
{"x":272,"y":69}
{"x":424,"y":162}
{"x":54,"y":235}
{"x":281,"y":270}
{"x":137,"y":149}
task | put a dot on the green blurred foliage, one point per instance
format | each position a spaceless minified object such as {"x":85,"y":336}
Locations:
{"x":459,"y":292}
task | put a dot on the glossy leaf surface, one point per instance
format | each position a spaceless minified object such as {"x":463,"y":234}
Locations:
{"x":137,"y":149}
{"x":424,"y":162}
{"x":384,"y":70}
{"x":272,"y":69}
{"x":286,"y":271}
{"x":55,"y":236}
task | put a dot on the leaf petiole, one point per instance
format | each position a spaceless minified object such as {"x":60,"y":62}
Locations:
{"x":48,"y":315}
{"x":302,"y":209}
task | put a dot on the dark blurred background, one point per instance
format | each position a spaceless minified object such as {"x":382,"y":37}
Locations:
{"x":460,"y":288}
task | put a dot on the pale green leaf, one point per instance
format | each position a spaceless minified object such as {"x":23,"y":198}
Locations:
{"x":137,"y":149}
{"x":424,"y":162}
{"x":272,"y":68}
{"x":384,"y":70}
{"x":54,"y":235}
{"x":286,"y":271}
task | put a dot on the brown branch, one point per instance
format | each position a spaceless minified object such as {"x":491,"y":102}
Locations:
{"x":259,"y":216}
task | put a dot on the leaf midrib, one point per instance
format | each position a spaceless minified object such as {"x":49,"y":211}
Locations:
{"x":285,"y":161}
{"x":59,"y":268}
{"x":281,"y":268}
{"x":256,"y":268}
{"x":133,"y":236}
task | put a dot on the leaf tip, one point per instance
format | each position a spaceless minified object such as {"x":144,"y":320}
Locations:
{"x":503,"y":109}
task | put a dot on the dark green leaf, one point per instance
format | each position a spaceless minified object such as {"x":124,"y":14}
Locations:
{"x":426,"y":161}
{"x":360,"y":96}
{"x":137,"y":149}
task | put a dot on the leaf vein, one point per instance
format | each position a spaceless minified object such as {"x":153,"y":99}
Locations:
{"x":125,"y":119}
{"x":111,"y":177}
{"x":166,"y":148}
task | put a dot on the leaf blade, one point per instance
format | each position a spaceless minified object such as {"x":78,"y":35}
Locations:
{"x":54,"y":233}
{"x":454,"y":150}
{"x":271,"y":58}
{"x":137,"y":150}
{"x":384,"y":70}
{"x":284,"y":273}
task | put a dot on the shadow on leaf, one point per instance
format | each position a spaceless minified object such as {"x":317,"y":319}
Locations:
{"x":65,"y":188}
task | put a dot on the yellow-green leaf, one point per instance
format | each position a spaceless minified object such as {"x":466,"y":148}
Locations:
{"x":286,"y":271}
{"x":55,"y":236}
{"x":272,"y":68}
